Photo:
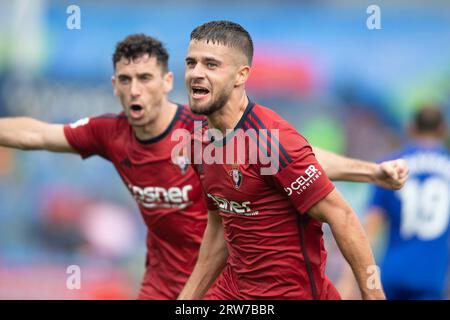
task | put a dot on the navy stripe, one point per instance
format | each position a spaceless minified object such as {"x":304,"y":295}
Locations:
{"x":187,"y":112}
{"x":282,"y":162}
{"x":191,"y":118}
{"x":268,"y":142}
{"x":302,"y":221}
{"x":186,"y":115}
{"x":246,"y":127}
{"x":185,"y":121}
{"x":204,"y":124}
{"x":283,"y":150}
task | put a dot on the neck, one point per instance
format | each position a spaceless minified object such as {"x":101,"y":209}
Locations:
{"x":229,"y":116}
{"x":158,"y":125}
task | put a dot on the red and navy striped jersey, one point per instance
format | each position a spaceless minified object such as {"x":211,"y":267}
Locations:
{"x":276,"y":251}
{"x":168,"y":194}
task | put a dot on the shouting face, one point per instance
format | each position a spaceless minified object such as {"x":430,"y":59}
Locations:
{"x":142,"y":86}
{"x":212,"y":73}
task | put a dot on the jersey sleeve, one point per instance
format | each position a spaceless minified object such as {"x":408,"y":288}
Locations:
{"x":89,"y":136}
{"x":300,"y":174}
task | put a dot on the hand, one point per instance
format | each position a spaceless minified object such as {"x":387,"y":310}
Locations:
{"x":392,"y":174}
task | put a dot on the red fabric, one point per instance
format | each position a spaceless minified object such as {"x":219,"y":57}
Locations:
{"x":267,"y":255}
{"x":170,"y":200}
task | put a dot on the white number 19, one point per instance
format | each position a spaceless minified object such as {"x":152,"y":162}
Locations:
{"x":425,"y":208}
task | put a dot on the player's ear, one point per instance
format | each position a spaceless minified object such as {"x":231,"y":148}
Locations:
{"x":242,"y":75}
{"x":168,"y":82}
{"x":113,"y":82}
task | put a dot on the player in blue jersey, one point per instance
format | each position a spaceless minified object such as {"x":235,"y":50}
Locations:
{"x":416,"y":258}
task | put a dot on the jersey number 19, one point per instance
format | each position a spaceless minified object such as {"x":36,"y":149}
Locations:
{"x":425,"y":208}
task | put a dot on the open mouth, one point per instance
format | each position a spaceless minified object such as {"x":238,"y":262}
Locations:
{"x":136,"y":111}
{"x":199,"y":92}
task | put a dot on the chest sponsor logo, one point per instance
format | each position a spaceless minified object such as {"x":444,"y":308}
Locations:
{"x":234,"y":207}
{"x":302,"y":183}
{"x":159,"y":197}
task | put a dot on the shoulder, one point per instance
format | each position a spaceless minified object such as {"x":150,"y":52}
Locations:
{"x":279,"y":130}
{"x":110,"y":118}
{"x":104,"y":121}
{"x":276,"y":137}
{"x":110,"y":121}
{"x":263,"y":117}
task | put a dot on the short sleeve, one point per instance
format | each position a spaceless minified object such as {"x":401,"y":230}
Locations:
{"x":88,"y":136}
{"x":300,"y":174}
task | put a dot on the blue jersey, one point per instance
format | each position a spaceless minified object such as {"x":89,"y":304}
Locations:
{"x":417,"y":251}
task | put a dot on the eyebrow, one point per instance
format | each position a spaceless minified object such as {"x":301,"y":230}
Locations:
{"x":204,"y":59}
{"x":145,"y":74}
{"x":210,"y":59}
{"x":121,"y":75}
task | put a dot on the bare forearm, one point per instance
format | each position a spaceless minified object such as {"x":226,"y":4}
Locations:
{"x":355,"y":247}
{"x":31,"y":134}
{"x":212,"y":258}
{"x":19,"y":133}
{"x":338,"y":167}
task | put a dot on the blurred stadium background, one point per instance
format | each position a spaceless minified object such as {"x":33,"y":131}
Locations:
{"x":346,"y":88}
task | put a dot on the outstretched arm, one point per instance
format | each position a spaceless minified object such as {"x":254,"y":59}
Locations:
{"x":30,"y":134}
{"x":211,"y":260}
{"x":389,"y":174}
{"x":352,"y":241}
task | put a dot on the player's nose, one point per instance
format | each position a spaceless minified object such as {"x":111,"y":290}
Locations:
{"x":197,"y":72}
{"x":135,"y":88}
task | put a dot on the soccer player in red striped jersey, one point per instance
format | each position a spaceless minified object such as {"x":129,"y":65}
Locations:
{"x":264,"y":238}
{"x":138,"y":143}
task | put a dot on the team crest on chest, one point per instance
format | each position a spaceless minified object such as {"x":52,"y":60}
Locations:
{"x":183,"y":161}
{"x":236,"y":176}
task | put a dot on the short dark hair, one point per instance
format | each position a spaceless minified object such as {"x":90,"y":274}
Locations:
{"x":429,"y":119}
{"x":136,"y":45}
{"x":226,"y":33}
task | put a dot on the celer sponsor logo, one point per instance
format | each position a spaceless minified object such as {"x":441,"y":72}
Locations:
{"x":249,"y":146}
{"x":159,"y":197}
{"x":303,"y":182}
{"x":234,"y":207}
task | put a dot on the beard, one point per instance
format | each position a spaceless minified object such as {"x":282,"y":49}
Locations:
{"x":214,"y":106}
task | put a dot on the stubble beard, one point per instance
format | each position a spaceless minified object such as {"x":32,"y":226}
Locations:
{"x":214,"y":106}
